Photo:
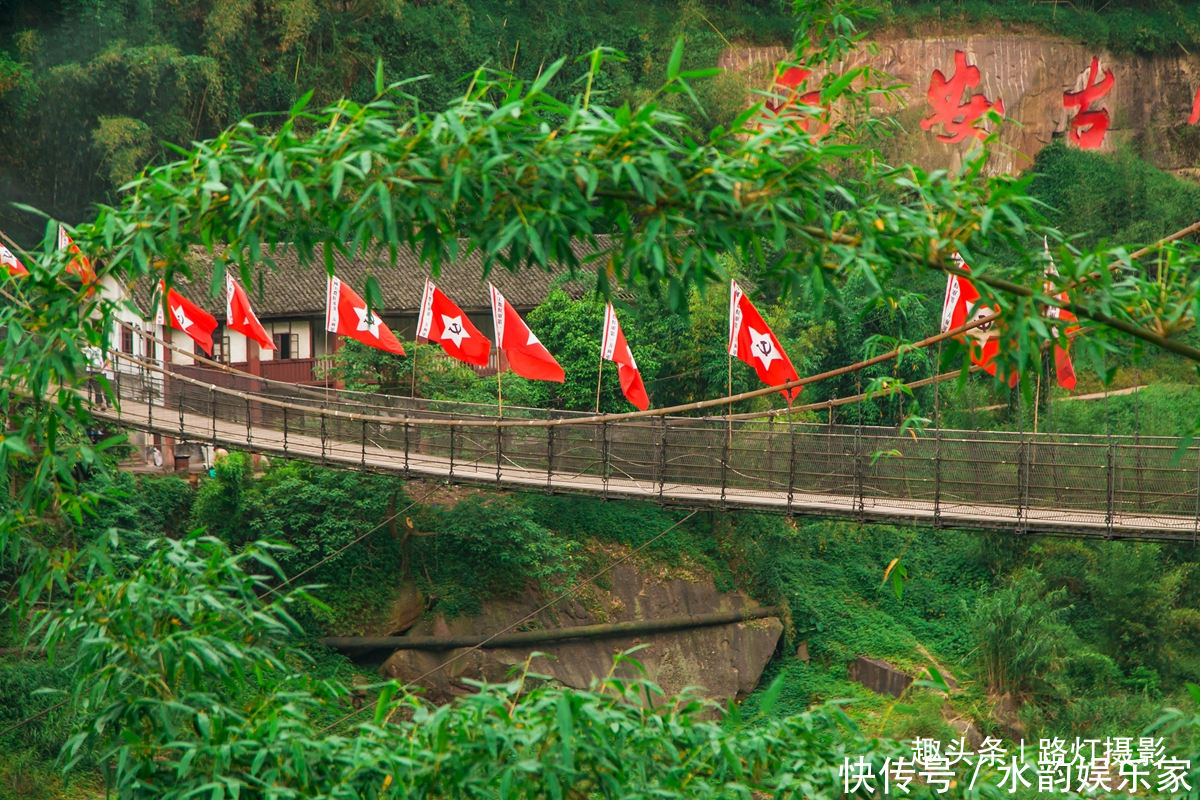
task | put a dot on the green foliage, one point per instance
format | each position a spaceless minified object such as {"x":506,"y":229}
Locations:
{"x":259,"y":58}
{"x":169,"y":646}
{"x":1020,"y":635}
{"x":1123,"y":199}
{"x":1123,"y":26}
{"x":147,"y":506}
{"x":106,"y":114}
{"x":220,"y":506}
{"x":479,"y":549}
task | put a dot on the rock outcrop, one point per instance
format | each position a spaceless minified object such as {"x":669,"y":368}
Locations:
{"x":879,"y":676}
{"x":1150,"y":100}
{"x":725,"y":660}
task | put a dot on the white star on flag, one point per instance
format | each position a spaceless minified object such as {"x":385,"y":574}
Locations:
{"x":367,"y":321}
{"x":533,"y":339}
{"x":763,"y":347}
{"x":452,"y":329}
{"x":181,"y":318}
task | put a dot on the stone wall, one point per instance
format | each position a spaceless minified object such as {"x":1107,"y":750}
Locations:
{"x":1149,"y":103}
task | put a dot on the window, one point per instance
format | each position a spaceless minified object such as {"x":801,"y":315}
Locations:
{"x":221,"y":349}
{"x":127,"y":340}
{"x":287,"y":345}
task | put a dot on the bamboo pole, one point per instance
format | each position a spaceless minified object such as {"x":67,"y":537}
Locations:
{"x":599,"y":631}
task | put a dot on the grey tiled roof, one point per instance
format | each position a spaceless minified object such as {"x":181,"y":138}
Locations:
{"x":292,"y":290}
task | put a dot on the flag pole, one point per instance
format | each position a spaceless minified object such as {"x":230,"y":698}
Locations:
{"x":412,"y":390}
{"x":599,"y":377}
{"x":729,"y":393}
{"x":499,"y":386}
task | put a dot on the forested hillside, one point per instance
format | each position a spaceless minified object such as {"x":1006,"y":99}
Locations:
{"x":180,"y":663}
{"x":91,"y":91}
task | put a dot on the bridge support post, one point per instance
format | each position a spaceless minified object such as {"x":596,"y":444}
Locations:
{"x":363,"y":452}
{"x":285,"y":430}
{"x":937,"y":480}
{"x":550,"y":460}
{"x":726,"y":449}
{"x":499,"y":448}
{"x":406,"y":448}
{"x":1023,"y":487}
{"x":1196,"y":516}
{"x":249,"y":426}
{"x":1110,"y":480}
{"x":212,"y":402}
{"x":451,"y":449}
{"x":859,"y":501}
{"x":791,"y":465}
{"x":662,"y":462}
{"x":323,"y":434}
{"x":604,"y":458}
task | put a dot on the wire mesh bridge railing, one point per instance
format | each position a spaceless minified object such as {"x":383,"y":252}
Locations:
{"x":1097,"y":486}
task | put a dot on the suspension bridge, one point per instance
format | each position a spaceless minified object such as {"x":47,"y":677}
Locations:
{"x":1114,"y":487}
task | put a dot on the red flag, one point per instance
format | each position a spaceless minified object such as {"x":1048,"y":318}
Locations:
{"x":240,"y":317}
{"x":7,"y":259}
{"x":613,"y":347}
{"x":1064,"y":370}
{"x":186,"y":316}
{"x":962,"y":306}
{"x":81,"y":266}
{"x":528,"y":357}
{"x":443,"y":322}
{"x":347,"y":313}
{"x":752,"y":341}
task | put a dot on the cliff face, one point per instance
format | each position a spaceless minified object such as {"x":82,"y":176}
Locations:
{"x":1148,"y":104}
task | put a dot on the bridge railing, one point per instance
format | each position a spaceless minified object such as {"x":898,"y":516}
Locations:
{"x":1005,"y":479}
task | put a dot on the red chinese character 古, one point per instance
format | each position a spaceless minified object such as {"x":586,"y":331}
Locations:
{"x":945,"y":96}
{"x":788,"y":85}
{"x":1088,"y":127}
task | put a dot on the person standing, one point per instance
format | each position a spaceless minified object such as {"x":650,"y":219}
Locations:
{"x":95,"y":370}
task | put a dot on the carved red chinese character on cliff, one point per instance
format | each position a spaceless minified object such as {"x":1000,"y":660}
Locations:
{"x":1195,"y":117}
{"x":788,"y":86}
{"x":945,"y":96}
{"x":1088,"y":127}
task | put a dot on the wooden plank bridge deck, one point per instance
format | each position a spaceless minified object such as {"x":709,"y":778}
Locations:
{"x":1092,"y":486}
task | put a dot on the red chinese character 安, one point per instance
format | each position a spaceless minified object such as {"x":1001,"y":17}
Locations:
{"x":1088,"y":127}
{"x":788,"y":85}
{"x":945,"y":96}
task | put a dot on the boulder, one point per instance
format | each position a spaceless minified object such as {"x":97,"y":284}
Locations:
{"x":725,"y":660}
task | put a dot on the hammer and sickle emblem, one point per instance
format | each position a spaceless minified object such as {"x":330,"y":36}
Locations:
{"x":765,"y":347}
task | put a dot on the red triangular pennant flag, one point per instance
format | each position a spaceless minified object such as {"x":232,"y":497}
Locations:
{"x":613,"y":347}
{"x":184,"y":315}
{"x":962,"y":306}
{"x":1064,"y":370}
{"x":81,"y":266}
{"x":347,"y":313}
{"x":752,"y":341}
{"x":14,"y":265}
{"x":443,"y":322}
{"x":528,"y":357}
{"x":240,"y":317}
